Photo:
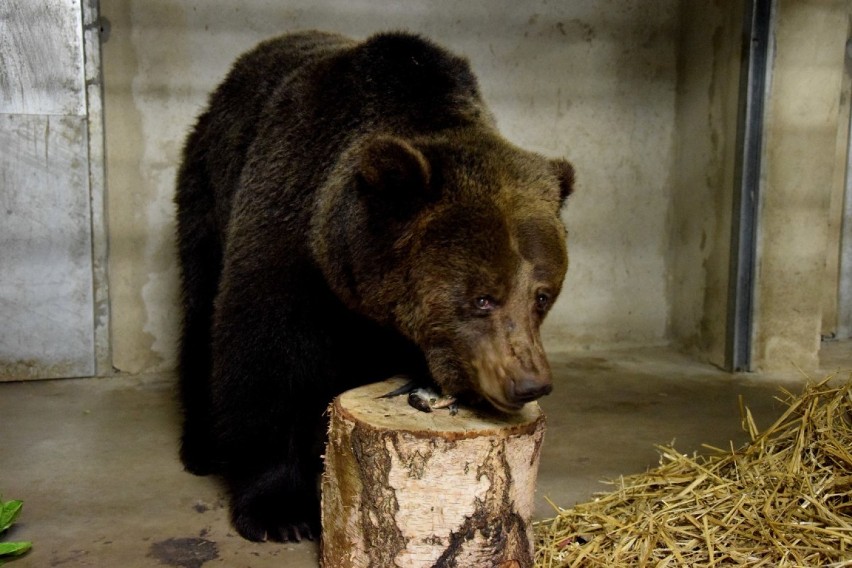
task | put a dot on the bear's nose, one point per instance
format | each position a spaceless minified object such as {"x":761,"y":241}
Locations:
{"x":527,"y":389}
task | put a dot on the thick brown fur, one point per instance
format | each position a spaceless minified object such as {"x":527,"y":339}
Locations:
{"x":348,"y":211}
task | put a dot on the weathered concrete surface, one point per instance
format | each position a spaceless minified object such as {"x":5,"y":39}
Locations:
{"x":42,"y":53}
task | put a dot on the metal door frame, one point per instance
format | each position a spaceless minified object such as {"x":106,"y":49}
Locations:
{"x":97,"y":186}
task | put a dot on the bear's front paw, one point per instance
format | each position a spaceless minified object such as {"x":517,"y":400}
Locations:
{"x":277,"y":530}
{"x":275,"y":504}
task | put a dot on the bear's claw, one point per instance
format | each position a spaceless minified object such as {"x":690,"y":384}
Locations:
{"x":261,"y":512}
{"x":251,"y":530}
{"x":292,"y":533}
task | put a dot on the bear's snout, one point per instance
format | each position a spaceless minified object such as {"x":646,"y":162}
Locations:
{"x":527,"y":388}
{"x":507,"y":382}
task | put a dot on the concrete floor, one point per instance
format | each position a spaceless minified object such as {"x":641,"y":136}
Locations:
{"x":95,"y":460}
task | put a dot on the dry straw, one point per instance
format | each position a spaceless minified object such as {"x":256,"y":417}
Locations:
{"x":785,"y":499}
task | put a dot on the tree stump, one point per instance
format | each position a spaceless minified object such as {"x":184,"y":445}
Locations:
{"x":404,"y":488}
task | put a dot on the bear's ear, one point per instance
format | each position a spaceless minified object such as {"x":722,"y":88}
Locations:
{"x":396,"y":173}
{"x":564,"y":172}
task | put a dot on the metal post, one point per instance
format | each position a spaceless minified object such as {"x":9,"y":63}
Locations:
{"x":753,"y":83}
{"x":844,"y":285}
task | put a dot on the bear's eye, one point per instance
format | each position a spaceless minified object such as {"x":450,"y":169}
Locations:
{"x":542,"y":301}
{"x":485,"y":303}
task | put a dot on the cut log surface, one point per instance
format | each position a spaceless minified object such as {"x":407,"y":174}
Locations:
{"x":404,"y":488}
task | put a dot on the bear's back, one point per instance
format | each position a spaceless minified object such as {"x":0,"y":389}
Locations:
{"x":397,"y":82}
{"x":220,"y":142}
{"x":309,"y":96}
{"x":415,"y":85}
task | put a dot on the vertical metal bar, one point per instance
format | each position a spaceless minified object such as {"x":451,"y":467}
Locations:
{"x":753,"y":81}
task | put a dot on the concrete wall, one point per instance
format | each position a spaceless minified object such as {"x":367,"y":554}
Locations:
{"x":709,"y":53}
{"x":802,"y":118}
{"x":590,"y":80}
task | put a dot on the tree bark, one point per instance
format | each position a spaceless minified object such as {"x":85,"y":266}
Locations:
{"x":406,"y":488}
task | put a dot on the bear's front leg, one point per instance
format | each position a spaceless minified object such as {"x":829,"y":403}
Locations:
{"x":278,"y":503}
{"x":269,"y":390}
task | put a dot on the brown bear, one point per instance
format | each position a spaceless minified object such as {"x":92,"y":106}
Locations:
{"x":348,"y":211}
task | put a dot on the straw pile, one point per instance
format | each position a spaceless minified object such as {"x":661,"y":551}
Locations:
{"x":785,"y":499}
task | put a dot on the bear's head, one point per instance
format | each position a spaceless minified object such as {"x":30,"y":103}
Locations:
{"x":456,"y":241}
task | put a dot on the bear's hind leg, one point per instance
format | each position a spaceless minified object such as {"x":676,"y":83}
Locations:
{"x":201,"y":264}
